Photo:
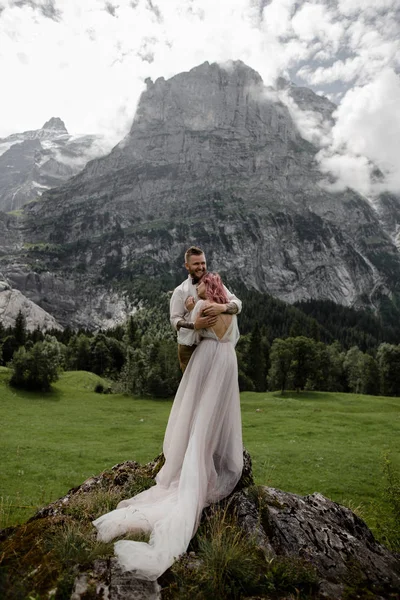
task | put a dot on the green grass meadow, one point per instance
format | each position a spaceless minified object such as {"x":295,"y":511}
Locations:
{"x":312,"y":442}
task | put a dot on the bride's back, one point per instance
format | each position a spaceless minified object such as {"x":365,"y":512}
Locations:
{"x":222,"y":325}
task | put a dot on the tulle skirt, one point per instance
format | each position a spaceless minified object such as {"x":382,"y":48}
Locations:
{"x":204,"y":461}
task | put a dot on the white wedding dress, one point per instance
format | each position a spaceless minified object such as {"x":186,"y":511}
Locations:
{"x":203,"y":461}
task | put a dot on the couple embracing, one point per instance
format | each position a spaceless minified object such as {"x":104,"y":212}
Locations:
{"x":203,"y":440}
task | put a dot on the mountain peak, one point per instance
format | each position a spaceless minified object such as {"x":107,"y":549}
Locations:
{"x":232,"y":67}
{"x":55,"y":123}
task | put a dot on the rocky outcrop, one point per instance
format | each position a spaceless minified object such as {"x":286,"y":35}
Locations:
{"x":13,"y":301}
{"x":213,"y":159}
{"x":330,"y":538}
{"x":71,"y":298}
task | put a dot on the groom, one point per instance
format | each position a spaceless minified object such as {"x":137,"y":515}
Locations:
{"x":195,"y":263}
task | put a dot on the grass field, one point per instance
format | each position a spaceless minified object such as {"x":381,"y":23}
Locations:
{"x":330,"y":443}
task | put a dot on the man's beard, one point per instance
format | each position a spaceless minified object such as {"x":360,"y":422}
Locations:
{"x":196,"y":279}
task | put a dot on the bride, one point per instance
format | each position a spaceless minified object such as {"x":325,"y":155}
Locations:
{"x":202,"y":447}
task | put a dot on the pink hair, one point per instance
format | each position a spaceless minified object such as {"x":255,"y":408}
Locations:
{"x":215,"y":290}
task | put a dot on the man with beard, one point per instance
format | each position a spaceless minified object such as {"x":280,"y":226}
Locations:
{"x":182,"y":303}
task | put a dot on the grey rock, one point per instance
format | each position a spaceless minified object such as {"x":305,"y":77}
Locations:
{"x":4,"y":286}
{"x":331,"y":537}
{"x":11,"y":238}
{"x":13,"y":301}
{"x":107,"y":580}
{"x":55,"y":124}
{"x":71,"y":298}
{"x":116,"y":477}
{"x":306,"y":99}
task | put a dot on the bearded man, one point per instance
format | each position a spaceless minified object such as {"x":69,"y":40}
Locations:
{"x":182,"y":302}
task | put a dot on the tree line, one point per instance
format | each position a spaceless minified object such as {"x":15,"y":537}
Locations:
{"x":322,"y":320}
{"x":300,"y":363}
{"x":140,"y":357}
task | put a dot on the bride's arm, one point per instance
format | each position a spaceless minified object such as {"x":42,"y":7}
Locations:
{"x":199,"y":320}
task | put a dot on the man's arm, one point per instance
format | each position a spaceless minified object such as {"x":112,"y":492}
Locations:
{"x":233,"y":307}
{"x":184,"y":325}
{"x":177,"y":308}
{"x":233,"y":300}
{"x":199,"y":323}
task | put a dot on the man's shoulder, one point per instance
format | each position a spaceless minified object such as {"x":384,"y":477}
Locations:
{"x":183,"y":287}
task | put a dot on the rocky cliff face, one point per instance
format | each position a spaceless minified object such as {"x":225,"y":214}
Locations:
{"x":213,"y":159}
{"x":13,"y":301}
{"x":34,"y":161}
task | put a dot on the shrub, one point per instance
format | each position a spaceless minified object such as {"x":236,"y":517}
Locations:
{"x":75,"y":543}
{"x":227,"y":564}
{"x":38,"y":367}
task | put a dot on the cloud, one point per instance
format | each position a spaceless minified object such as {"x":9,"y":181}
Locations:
{"x":345,"y":171}
{"x":277,"y":17}
{"x":363,"y":138}
{"x":351,"y":8}
{"x":311,"y":124}
{"x":111,"y":9}
{"x":317,"y":21}
{"x":47,"y":7}
{"x":360,"y":39}
{"x":88,"y":61}
{"x":155,"y":10}
{"x":368,"y":125}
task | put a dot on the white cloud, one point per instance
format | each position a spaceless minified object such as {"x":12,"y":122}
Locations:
{"x":368,"y":123}
{"x":366,"y":135}
{"x":345,"y":170}
{"x":351,"y":8}
{"x":344,"y":71}
{"x":87,"y":61}
{"x":277,"y":17}
{"x":311,"y":125}
{"x":89,"y":67}
{"x":360,"y":40}
{"x":317,"y":21}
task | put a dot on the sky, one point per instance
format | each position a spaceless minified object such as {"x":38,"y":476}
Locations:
{"x":86,"y":61}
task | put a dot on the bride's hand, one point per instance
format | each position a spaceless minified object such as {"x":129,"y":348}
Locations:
{"x":190,"y":303}
{"x":213,"y":309}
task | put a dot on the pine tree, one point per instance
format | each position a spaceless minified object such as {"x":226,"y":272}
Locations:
{"x":20,"y":329}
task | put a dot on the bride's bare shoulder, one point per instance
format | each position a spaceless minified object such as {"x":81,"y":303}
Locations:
{"x":222,"y":325}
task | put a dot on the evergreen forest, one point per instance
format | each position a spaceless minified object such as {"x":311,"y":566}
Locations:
{"x":313,"y":345}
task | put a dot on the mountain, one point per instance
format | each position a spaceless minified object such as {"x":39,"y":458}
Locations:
{"x":34,"y":161}
{"x":212,"y":159}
